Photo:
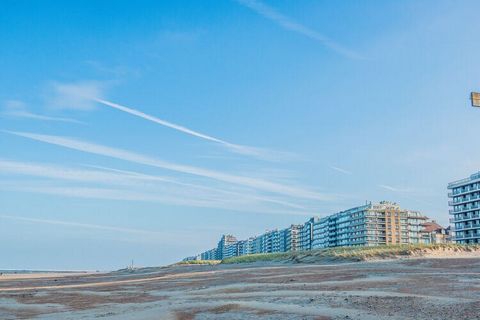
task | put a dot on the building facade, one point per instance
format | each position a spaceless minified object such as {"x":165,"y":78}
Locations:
{"x":209,"y":254}
{"x":465,"y":209}
{"x":290,"y":238}
{"x":432,"y":233}
{"x":306,"y":234}
{"x":384,"y":223}
{"x":226,"y":247}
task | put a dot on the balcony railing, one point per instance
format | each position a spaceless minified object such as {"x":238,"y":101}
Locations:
{"x":468,"y":226}
{"x":468,"y":199}
{"x":467,"y":190}
{"x":466,"y":237}
{"x":473,"y":207}
{"x":468,"y":217}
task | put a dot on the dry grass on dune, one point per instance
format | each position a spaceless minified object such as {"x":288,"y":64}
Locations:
{"x":358,"y":253}
{"x":195,"y":262}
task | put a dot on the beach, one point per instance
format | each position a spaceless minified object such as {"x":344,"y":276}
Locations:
{"x":414,"y":288}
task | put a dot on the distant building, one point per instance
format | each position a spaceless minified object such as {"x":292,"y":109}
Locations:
{"x":465,"y":204}
{"x":244,"y":247}
{"x":256,"y":245}
{"x":209,"y":254}
{"x":225,"y":247}
{"x":306,"y":234}
{"x":383,"y":223}
{"x":192,"y":258}
{"x":432,"y":233}
{"x":290,"y":238}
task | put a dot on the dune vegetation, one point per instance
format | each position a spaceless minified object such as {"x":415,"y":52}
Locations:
{"x":358,"y":253}
{"x":190,"y":262}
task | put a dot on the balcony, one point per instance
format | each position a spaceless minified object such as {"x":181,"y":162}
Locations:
{"x":467,"y":190}
{"x":468,"y":217}
{"x":466,"y":237}
{"x":472,"y":207}
{"x":468,"y":199}
{"x":468,"y":226}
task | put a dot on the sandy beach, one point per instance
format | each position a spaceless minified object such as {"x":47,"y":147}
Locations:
{"x":36,"y":275}
{"x":419,"y":288}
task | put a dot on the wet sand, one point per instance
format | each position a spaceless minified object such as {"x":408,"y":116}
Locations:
{"x":423,"y":288}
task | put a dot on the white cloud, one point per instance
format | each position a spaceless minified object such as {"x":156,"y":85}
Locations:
{"x":168,"y":196}
{"x":66,"y":173}
{"x":76,"y":96}
{"x":18,"y":109}
{"x":129,"y":178}
{"x":289,"y":24}
{"x":255,"y":183}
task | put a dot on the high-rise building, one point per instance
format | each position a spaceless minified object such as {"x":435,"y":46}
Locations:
{"x":224,"y":247}
{"x":209,"y":254}
{"x":244,"y":247}
{"x":465,"y":204}
{"x":368,"y":225}
{"x":306,"y":234}
{"x":290,"y":238}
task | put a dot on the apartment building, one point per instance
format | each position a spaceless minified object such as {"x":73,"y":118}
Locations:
{"x":209,"y":254}
{"x":306,"y":234}
{"x":384,"y":223}
{"x":226,"y":247}
{"x":465,"y":209}
{"x":290,"y":238}
{"x":244,"y":247}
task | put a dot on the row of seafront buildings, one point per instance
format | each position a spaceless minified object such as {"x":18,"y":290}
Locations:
{"x":371,"y":224}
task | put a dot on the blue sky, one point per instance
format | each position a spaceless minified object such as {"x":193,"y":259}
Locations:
{"x":146,"y":130}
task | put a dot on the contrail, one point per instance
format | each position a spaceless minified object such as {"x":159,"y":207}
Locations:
{"x":82,"y":225}
{"x":149,"y":177}
{"x":34,"y":116}
{"x":160,"y":121}
{"x":18,"y":109}
{"x":166,"y":237}
{"x":240,"y":149}
{"x":289,"y":24}
{"x":344,"y":171}
{"x":125,"y":155}
{"x":117,"y":177}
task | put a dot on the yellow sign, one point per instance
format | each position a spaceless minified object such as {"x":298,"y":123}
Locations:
{"x":475,"y":96}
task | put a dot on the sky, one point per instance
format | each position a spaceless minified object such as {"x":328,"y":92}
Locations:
{"x":145,"y":130}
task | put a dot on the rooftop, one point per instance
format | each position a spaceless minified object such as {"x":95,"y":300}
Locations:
{"x":475,"y":176}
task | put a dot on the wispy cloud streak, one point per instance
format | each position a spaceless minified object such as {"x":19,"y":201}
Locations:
{"x":258,"y":184}
{"x":291,"y":25}
{"x":236,"y":148}
{"x":169,"y":196}
{"x":344,"y":171}
{"x":17,"y":109}
{"x":82,"y":225}
{"x":395,"y":189}
{"x":124,"y":178}
{"x":196,"y":186}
